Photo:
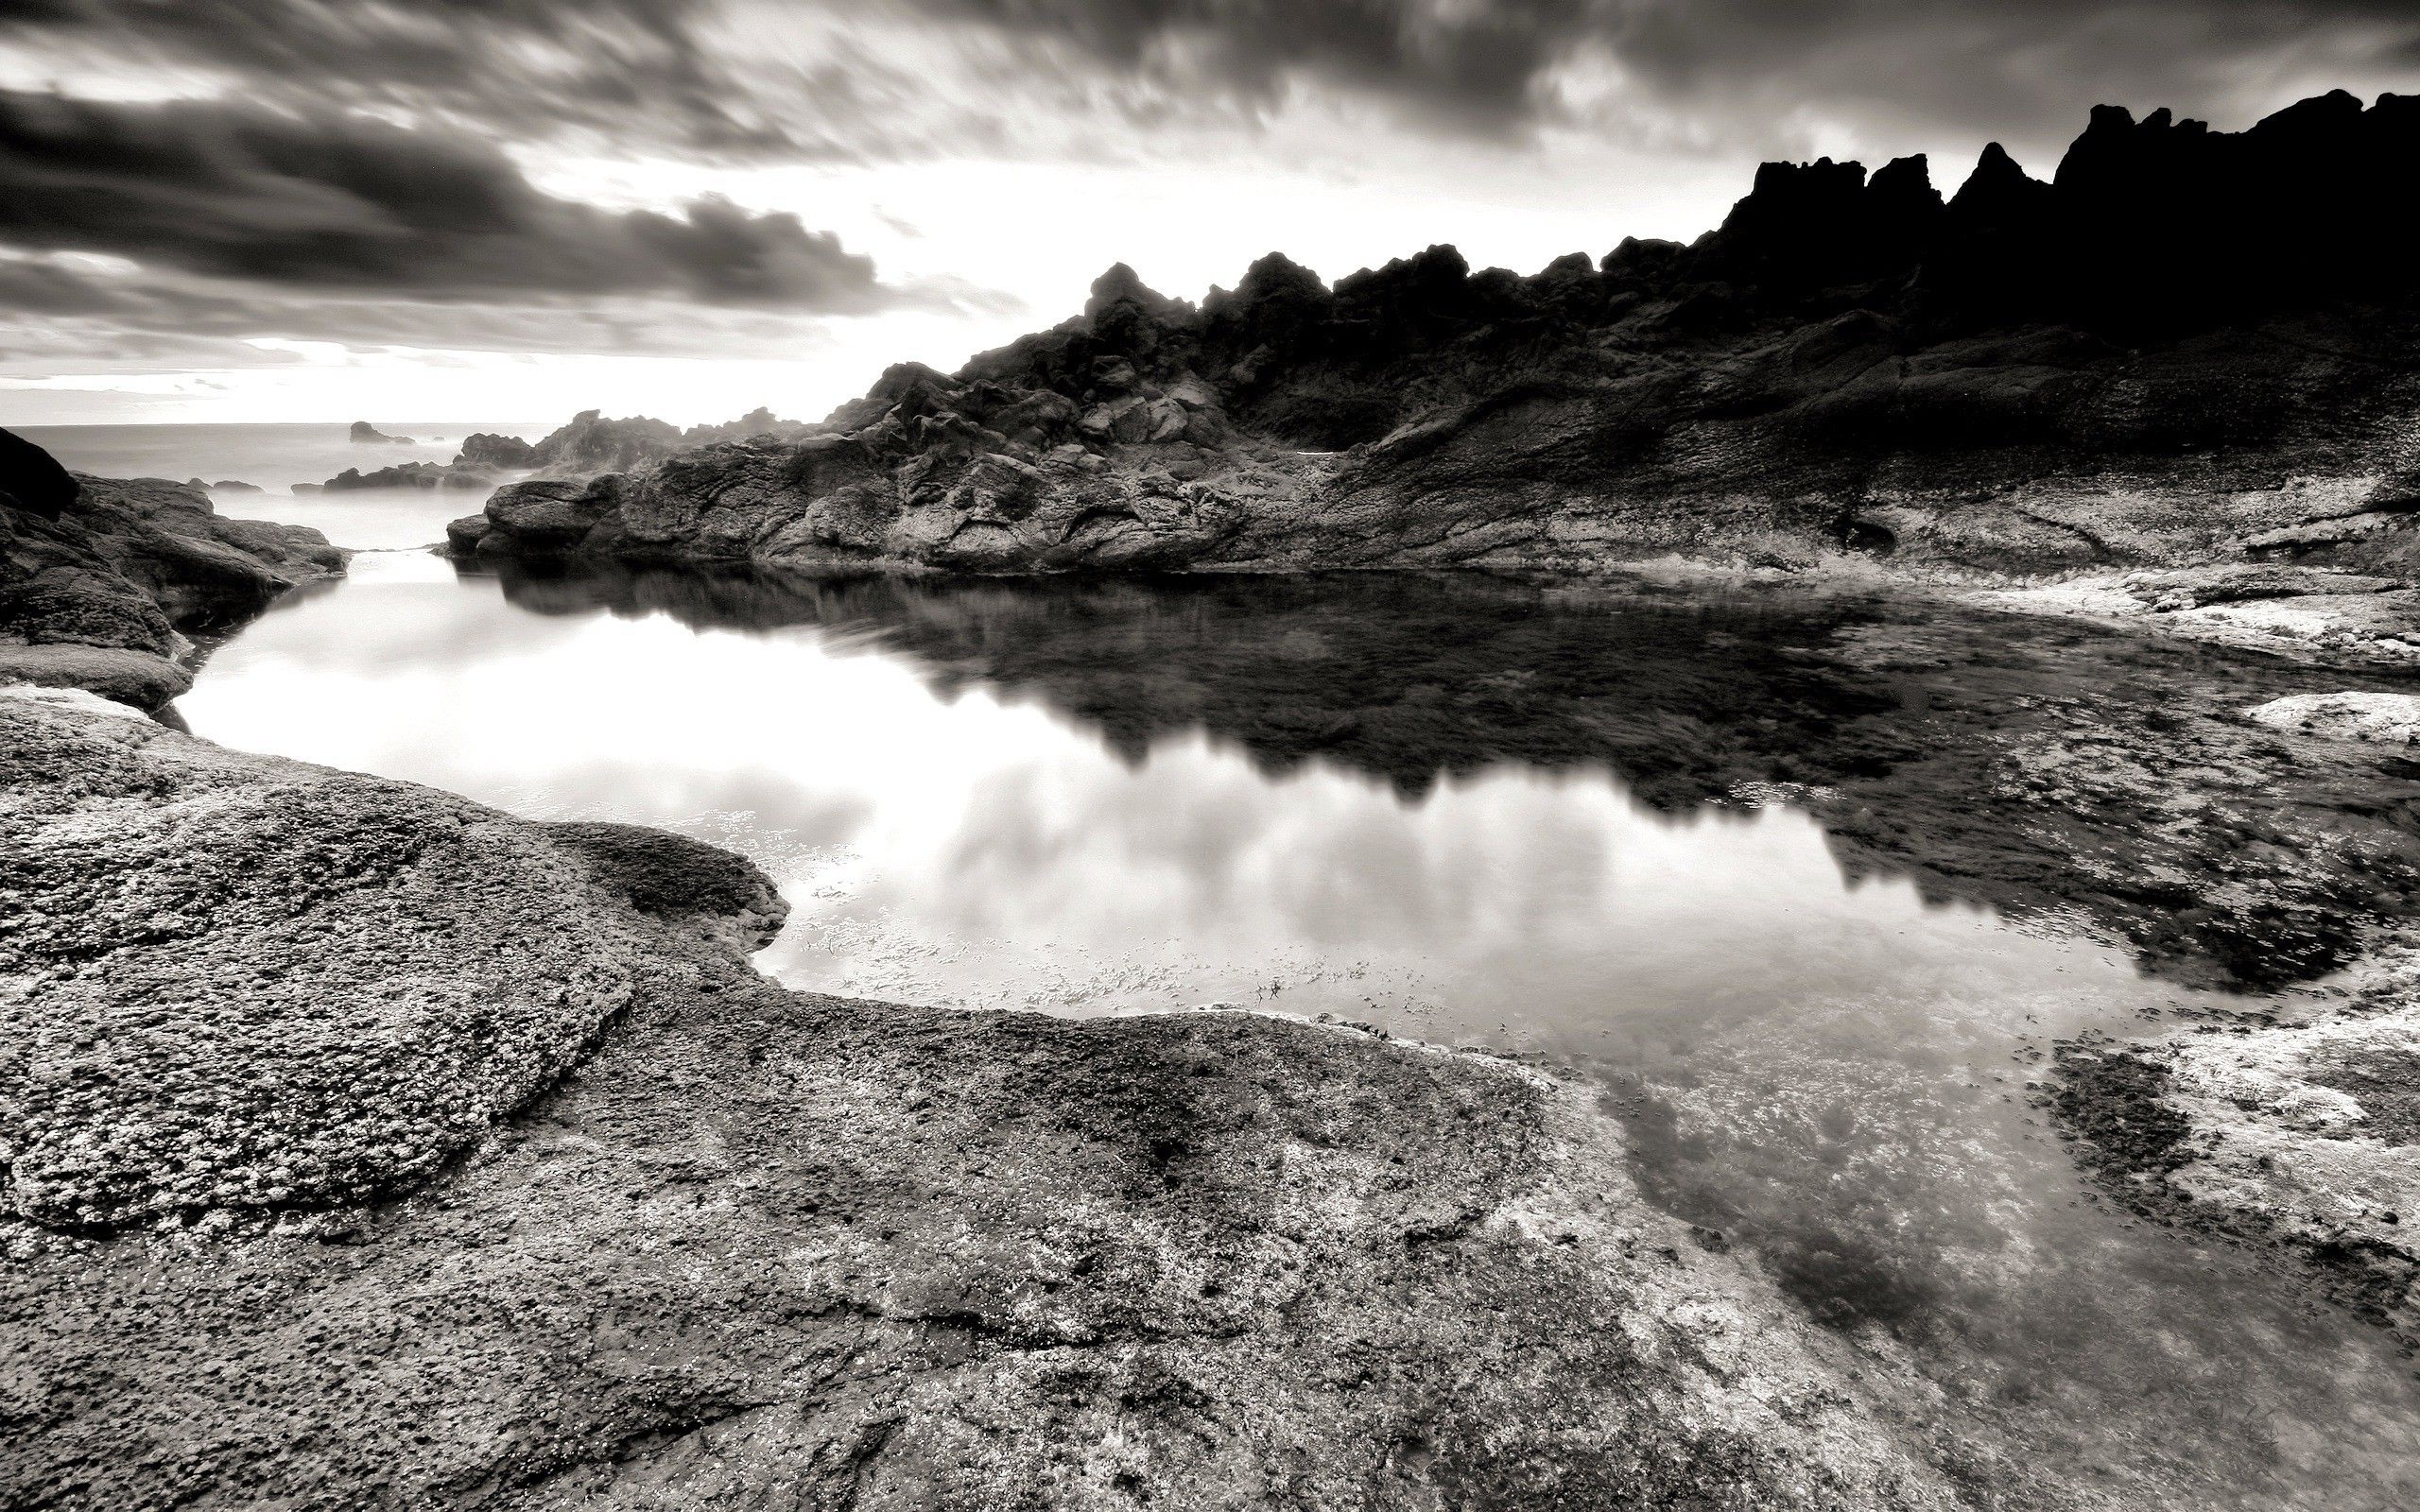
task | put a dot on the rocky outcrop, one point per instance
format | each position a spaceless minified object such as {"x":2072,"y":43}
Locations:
{"x":591,"y":443}
{"x":349,"y":1233}
{"x":502,"y":453}
{"x":104,"y":580}
{"x":455,"y":475}
{"x":757,"y":422}
{"x":483,"y":462}
{"x":2119,"y":367}
{"x":364,"y":434}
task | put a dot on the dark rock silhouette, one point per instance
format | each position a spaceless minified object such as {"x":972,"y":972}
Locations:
{"x":31,"y":479}
{"x":591,"y":443}
{"x":2184,"y":341}
{"x":371,"y":435}
{"x":503,"y":453}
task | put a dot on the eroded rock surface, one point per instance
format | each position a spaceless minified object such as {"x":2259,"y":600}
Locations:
{"x":765,"y":1249}
{"x":2388,"y":719}
{"x":102,"y":580}
{"x":1850,"y":370}
{"x":2299,"y":1134}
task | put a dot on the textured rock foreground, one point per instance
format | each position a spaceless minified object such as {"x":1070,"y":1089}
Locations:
{"x":764,"y":1248}
{"x":2190,"y":348}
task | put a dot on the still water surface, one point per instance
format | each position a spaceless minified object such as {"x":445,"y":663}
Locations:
{"x":1342,"y":798}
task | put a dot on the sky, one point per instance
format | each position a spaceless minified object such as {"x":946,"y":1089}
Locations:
{"x":456,"y":209}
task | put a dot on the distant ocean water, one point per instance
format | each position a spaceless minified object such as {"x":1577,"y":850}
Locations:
{"x":275,"y":458}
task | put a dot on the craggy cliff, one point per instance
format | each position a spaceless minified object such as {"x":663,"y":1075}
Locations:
{"x":2187,"y":347}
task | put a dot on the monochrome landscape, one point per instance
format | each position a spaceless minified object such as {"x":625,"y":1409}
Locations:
{"x":1771,"y":865}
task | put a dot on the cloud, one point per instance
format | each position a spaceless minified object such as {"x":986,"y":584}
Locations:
{"x":1728,"y":69}
{"x":867,"y":79}
{"x":329,"y":200}
{"x":1470,"y":66}
{"x":622,"y":69}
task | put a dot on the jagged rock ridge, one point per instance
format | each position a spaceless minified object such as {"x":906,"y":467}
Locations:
{"x":2119,"y":365}
{"x":585,"y":446}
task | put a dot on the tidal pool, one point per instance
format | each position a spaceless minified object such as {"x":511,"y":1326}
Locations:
{"x":1624,"y":830}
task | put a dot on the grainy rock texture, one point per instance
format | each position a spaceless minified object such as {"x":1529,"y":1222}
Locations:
{"x":2388,"y":719}
{"x":242,"y":983}
{"x":2307,"y":613}
{"x":2301,"y":1135}
{"x":1849,"y":370}
{"x":771,"y":1250}
{"x":103,"y":579}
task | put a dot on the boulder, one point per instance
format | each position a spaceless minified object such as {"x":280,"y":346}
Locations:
{"x":546,"y":515}
{"x":485,"y":449}
{"x":142,"y":679}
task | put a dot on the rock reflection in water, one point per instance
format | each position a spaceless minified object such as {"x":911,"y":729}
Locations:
{"x":1804,"y":879}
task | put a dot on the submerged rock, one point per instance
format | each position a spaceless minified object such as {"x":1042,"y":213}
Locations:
{"x":767,"y":1248}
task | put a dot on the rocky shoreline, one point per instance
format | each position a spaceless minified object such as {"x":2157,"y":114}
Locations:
{"x":1852,"y":374}
{"x":106,"y":583}
{"x":449,"y":1158}
{"x":411,"y":1241}
{"x":361,"y":1145}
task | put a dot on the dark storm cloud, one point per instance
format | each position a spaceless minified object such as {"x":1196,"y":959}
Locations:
{"x":1494,"y":64}
{"x":335,"y":201}
{"x":1473,"y":63}
{"x":720,"y":79}
{"x":625,"y":70}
